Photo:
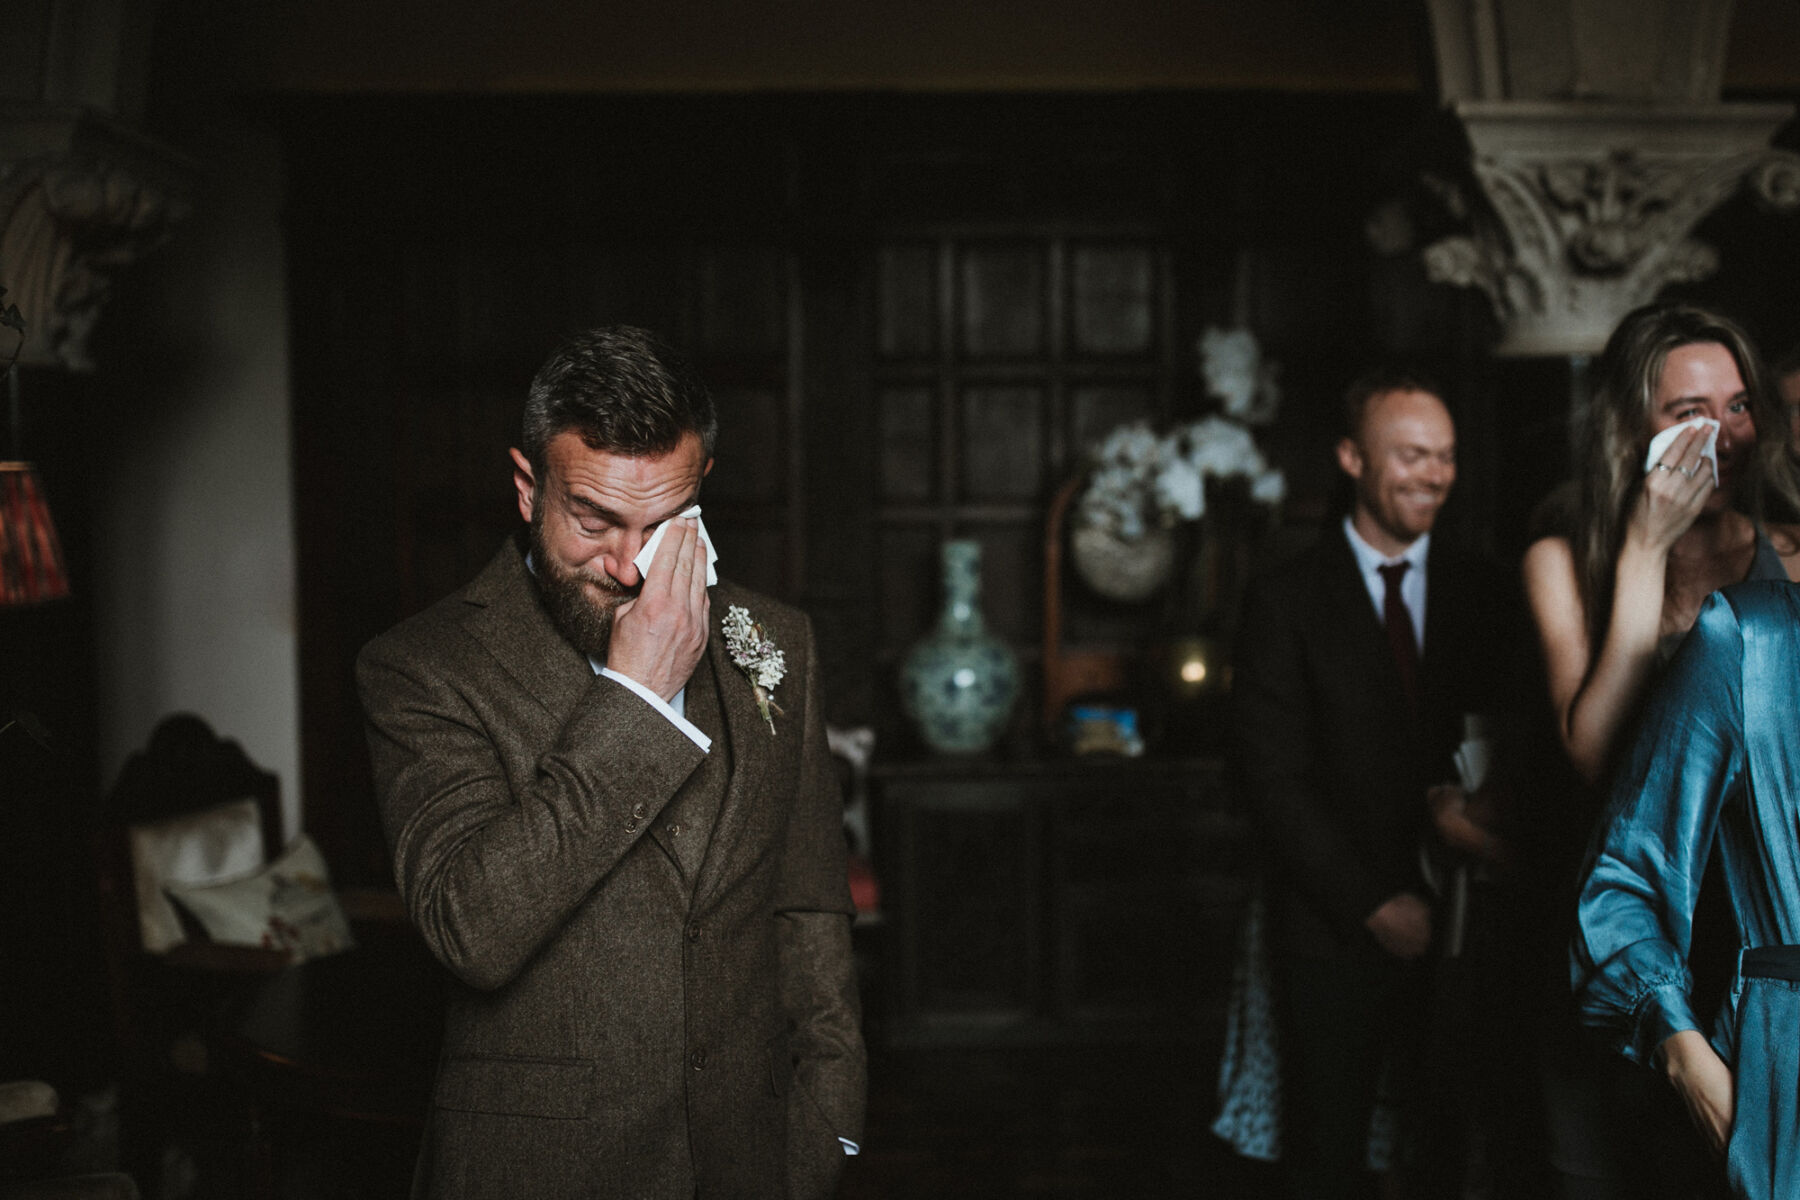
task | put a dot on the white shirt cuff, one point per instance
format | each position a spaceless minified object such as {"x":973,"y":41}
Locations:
{"x":660,"y":705}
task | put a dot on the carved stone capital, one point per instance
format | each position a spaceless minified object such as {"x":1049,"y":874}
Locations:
{"x":80,"y":200}
{"x":1590,"y":208}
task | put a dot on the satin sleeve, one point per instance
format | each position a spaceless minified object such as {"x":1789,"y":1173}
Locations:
{"x":1642,"y":876}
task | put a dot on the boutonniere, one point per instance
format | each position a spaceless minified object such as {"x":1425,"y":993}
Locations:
{"x":757,"y":657}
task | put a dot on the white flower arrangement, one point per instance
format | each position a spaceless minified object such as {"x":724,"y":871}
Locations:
{"x":1140,"y":481}
{"x":757,"y":657}
{"x":1232,"y":365}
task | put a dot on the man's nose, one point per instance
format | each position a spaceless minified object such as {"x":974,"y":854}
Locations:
{"x":621,"y":564}
{"x":623,"y":571}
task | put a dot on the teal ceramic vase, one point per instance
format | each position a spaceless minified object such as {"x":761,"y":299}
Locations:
{"x":959,"y":683}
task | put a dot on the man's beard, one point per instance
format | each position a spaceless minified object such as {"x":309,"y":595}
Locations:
{"x":582,"y":619}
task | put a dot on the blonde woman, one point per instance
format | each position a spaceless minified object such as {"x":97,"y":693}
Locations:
{"x":1613,"y":596}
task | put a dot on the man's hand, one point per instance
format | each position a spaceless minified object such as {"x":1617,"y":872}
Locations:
{"x":1402,"y":926}
{"x":659,"y":635}
{"x":1463,"y":823}
{"x":1705,"y":1085}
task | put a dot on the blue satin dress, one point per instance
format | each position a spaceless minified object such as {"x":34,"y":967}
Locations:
{"x":1717,"y":756}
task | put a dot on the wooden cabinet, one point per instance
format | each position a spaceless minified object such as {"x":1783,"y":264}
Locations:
{"x":1057,"y":900}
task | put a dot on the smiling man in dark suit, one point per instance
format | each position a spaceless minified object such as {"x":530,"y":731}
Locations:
{"x":615,"y":821}
{"x":1356,"y":662}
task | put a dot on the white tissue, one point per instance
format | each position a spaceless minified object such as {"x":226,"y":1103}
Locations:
{"x":648,"y":553}
{"x":1710,"y":451}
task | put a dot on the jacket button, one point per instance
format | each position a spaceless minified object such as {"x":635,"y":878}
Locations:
{"x":693,"y":932}
{"x":699,"y":1059}
{"x":637,"y":810}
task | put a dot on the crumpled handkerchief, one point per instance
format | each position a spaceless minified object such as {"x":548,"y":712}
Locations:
{"x":1710,"y":451}
{"x":642,"y":561}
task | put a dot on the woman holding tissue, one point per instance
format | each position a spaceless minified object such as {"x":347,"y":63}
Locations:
{"x":1672,"y":479}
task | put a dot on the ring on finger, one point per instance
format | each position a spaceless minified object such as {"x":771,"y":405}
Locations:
{"x":1663,"y":466}
{"x":1688,"y":472}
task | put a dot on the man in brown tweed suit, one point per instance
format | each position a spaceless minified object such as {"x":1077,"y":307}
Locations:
{"x":634,"y":878}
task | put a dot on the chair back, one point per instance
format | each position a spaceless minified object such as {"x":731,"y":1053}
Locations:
{"x":185,"y":769}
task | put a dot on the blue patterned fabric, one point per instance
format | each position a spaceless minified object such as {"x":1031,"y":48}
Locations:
{"x":1716,"y":757}
{"x":1249,"y":1084}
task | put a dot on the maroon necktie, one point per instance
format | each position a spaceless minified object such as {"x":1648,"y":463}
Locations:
{"x":1400,"y":630}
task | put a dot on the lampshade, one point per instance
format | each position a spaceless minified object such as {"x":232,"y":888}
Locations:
{"x":31,"y":562}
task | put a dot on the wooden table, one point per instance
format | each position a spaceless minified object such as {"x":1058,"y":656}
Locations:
{"x":351,"y":1037}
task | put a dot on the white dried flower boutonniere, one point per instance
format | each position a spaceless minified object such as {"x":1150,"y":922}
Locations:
{"x":757,"y":657}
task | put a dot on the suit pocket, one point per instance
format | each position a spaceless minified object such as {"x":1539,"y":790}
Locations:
{"x":781,"y":1063}
{"x":528,"y":1087}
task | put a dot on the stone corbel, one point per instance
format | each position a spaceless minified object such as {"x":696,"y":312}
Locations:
{"x":75,"y":210}
{"x":1591,"y":207}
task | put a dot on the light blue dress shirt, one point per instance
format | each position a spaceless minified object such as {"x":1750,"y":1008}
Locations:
{"x":1412,"y":584}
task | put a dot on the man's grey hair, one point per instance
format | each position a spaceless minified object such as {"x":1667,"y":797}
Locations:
{"x":622,"y":391}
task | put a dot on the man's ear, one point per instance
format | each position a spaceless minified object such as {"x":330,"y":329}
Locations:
{"x":1349,"y":457}
{"x":524,"y":483}
{"x":707,"y":469}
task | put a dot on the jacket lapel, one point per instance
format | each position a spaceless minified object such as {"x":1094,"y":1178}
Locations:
{"x":507,"y":618}
{"x":1445,"y":600}
{"x":751,"y":746}
{"x":691,"y":805}
{"x":1347,"y":598}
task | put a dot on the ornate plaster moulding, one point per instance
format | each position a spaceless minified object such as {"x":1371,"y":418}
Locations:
{"x":81,"y":198}
{"x":1590,"y":208}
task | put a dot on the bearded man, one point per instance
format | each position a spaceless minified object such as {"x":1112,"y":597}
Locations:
{"x":615,"y":822}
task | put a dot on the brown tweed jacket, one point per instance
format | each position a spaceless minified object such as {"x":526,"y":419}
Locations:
{"x":614,"y":1029}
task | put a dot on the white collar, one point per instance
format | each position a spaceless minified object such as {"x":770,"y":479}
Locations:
{"x":1369,"y":558}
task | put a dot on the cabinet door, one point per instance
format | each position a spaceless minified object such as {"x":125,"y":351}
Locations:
{"x":965,"y":898}
{"x":1078,"y":902}
{"x":1146,"y":882}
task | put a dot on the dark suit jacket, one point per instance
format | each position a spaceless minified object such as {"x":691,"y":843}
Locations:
{"x":1333,"y":766}
{"x":613,"y":1029}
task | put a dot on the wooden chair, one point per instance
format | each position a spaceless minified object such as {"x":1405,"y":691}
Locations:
{"x":223,"y":1044}
{"x":176,"y":1108}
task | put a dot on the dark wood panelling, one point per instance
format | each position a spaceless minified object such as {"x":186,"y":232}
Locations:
{"x":1002,"y":303}
{"x":915,"y":313}
{"x":754,"y":435}
{"x":1095,"y":409}
{"x":743,"y":298}
{"x":908,"y":452}
{"x":1002,"y":442}
{"x":907,"y":309}
{"x":1113,"y":297}
{"x":755,"y":555}
{"x":909,"y":575}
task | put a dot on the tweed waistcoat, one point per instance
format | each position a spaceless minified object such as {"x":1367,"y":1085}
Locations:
{"x":686,"y":825}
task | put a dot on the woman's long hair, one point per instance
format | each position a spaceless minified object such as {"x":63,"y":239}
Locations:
{"x":1610,"y":444}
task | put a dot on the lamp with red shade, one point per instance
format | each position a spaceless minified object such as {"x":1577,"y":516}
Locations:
{"x":31,"y":560}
